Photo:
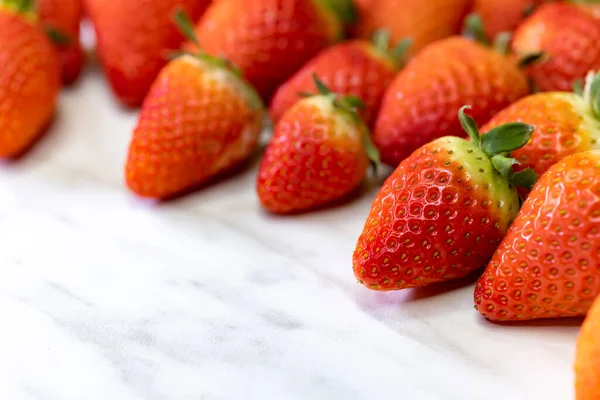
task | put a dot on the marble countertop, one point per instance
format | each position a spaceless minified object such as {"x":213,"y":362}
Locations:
{"x":104,"y":296}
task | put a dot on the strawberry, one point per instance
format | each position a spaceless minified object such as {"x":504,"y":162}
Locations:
{"x":587,"y":360}
{"x":548,"y":265}
{"x":133,"y":37}
{"x":443,"y":211}
{"x":64,"y":16}
{"x":421,"y":103}
{"x":423,"y":21}
{"x":358,"y":67}
{"x":569,"y":35}
{"x":269,"y":40}
{"x":29,"y":77}
{"x":565,"y":123}
{"x":200,"y":118}
{"x":319,"y":153}
{"x":504,"y":15}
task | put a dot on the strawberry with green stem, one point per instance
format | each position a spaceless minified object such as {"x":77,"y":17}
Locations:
{"x":319,"y":154}
{"x":200,"y":118}
{"x":356,"y":67}
{"x":443,"y":211}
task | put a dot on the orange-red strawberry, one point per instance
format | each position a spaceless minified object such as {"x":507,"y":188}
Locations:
{"x":29,"y":77}
{"x":200,"y":118}
{"x":318,"y":154}
{"x":423,"y":21}
{"x":443,"y":211}
{"x":358,"y":67}
{"x":587,"y":360}
{"x":64,"y":16}
{"x":565,"y":123}
{"x":421,"y":103}
{"x":569,"y":35}
{"x":269,"y":40}
{"x":548,"y":265}
{"x":133,"y":38}
{"x":504,"y":15}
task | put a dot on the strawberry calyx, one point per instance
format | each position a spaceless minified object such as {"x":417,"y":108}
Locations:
{"x":591,"y":92}
{"x":345,"y":10}
{"x":349,"y":105}
{"x":58,"y":37}
{"x":23,"y":7}
{"x":398,"y":54}
{"x":497,"y":145}
{"x":185,"y":25}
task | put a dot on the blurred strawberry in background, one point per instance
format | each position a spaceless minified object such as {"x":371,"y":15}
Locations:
{"x":134,"y":38}
{"x":269,"y":40}
{"x":504,"y":15}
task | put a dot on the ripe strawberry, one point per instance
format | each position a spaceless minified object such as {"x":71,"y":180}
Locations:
{"x":64,"y":16}
{"x":423,"y":21}
{"x":421,"y":103}
{"x":569,"y":35}
{"x":269,"y":40}
{"x":548,"y":265}
{"x":133,"y":37}
{"x":443,"y":211}
{"x":319,"y":153}
{"x":358,"y":67}
{"x":565,"y":123}
{"x":587,"y":361}
{"x":29,"y":78}
{"x":200,"y":118}
{"x":504,"y":15}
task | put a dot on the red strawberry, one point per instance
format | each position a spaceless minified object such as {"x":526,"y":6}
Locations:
{"x":587,"y":361}
{"x":318,"y":154}
{"x":269,"y":40}
{"x":358,"y":67}
{"x":64,"y":16}
{"x":569,"y":35}
{"x":200,"y":118}
{"x":548,"y":265}
{"x":423,"y":21}
{"x":504,"y":15}
{"x":443,"y":211}
{"x":29,"y":78}
{"x":133,"y":37}
{"x":565,"y":123}
{"x":422,"y":102}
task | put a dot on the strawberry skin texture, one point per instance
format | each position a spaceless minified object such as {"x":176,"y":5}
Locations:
{"x":503,"y":15}
{"x":196,"y":122}
{"x":564,"y":125}
{"x":587,"y":359}
{"x":421,"y":103}
{"x":548,"y":265}
{"x":65,"y":16}
{"x":352,"y":68}
{"x":569,"y":35}
{"x":133,"y":40}
{"x":315,"y":157}
{"x":269,"y":40}
{"x":29,"y":83}
{"x":423,"y":21}
{"x":439,"y":216}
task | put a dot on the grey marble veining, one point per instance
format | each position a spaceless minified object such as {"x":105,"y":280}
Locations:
{"x":105,"y":296}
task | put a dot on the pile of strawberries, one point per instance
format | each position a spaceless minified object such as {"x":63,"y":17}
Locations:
{"x":488,"y":110}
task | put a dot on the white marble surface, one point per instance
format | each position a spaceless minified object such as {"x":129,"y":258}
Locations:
{"x":104,"y":296}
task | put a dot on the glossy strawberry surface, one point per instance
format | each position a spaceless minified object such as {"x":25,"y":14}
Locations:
{"x":316,"y":156}
{"x":587,"y":360}
{"x":439,"y":216}
{"x":548,"y":265}
{"x":564,"y":125}
{"x":569,"y":35}
{"x":197,"y":120}
{"x":29,"y":82}
{"x":269,"y":40}
{"x":421,"y":103}
{"x":134,"y":39}
{"x":352,"y":68}
{"x":65,"y":17}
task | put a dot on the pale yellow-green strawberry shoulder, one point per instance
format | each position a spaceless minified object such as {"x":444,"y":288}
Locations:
{"x":590,"y":122}
{"x":343,"y":123}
